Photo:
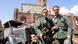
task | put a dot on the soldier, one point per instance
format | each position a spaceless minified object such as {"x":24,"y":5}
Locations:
{"x":43,"y":28}
{"x":61,"y":27}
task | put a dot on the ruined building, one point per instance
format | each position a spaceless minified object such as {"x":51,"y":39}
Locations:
{"x":29,"y":13}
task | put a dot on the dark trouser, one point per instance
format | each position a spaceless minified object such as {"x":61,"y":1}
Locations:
{"x":48,"y":39}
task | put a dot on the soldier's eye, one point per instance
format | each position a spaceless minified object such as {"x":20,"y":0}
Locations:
{"x":44,"y":12}
{"x":55,"y":9}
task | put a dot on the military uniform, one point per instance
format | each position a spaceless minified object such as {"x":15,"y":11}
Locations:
{"x":63,"y":30}
{"x":39,"y":27}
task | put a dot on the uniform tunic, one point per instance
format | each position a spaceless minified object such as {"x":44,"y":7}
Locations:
{"x":63,"y":30}
{"x":39,"y":25}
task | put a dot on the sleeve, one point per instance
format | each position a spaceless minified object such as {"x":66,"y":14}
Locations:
{"x":37,"y":28}
{"x":69,"y":25}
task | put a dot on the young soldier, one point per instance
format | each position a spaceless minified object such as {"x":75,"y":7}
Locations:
{"x":61,"y":27}
{"x":43,"y":28}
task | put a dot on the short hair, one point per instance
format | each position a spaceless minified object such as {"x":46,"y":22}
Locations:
{"x":55,"y":6}
{"x":44,"y":9}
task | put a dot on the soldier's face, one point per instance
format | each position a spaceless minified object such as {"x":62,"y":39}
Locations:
{"x":45,"y":13}
{"x":56,"y":10}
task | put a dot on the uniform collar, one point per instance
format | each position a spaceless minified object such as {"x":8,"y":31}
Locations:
{"x":59,"y":16}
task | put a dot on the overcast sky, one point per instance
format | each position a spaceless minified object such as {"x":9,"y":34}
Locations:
{"x":7,"y":7}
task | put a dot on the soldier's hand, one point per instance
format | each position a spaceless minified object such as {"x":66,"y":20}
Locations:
{"x":33,"y":35}
{"x":55,"y":27}
{"x":34,"y":38}
{"x":68,"y":36}
{"x":41,"y":35}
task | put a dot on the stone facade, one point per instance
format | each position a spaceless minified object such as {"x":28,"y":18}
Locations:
{"x":26,"y":17}
{"x":42,"y":2}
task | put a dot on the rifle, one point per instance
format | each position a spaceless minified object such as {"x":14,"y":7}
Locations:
{"x":46,"y":27}
{"x":59,"y":25}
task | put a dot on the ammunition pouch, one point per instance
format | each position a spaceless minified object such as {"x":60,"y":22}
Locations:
{"x":64,"y":27}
